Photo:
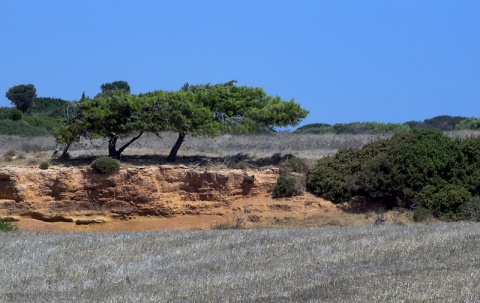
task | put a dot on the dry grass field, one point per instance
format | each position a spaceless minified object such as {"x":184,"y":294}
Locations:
{"x":395,"y":263}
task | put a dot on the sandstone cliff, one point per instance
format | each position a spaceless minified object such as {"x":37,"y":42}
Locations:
{"x":58,"y":193}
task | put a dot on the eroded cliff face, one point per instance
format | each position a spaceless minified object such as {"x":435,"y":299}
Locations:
{"x":58,"y":193}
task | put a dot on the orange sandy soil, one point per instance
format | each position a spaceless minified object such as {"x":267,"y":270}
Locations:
{"x":315,"y":212}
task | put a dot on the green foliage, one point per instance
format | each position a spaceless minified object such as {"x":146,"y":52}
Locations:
{"x":49,"y":107}
{"x":421,"y":214}
{"x":469,"y":167}
{"x":22,"y":96}
{"x":6,"y":226}
{"x":315,"y":128}
{"x":444,"y":123}
{"x":328,"y":178}
{"x":353,"y":128}
{"x":105,"y":165}
{"x":249,"y":103}
{"x":10,"y":113}
{"x":21,"y":128}
{"x":421,"y":168}
{"x":369,"y":127}
{"x":45,"y":122}
{"x":471,"y":210}
{"x":417,"y":159}
{"x":115,"y":86}
{"x":44,"y":165}
{"x":445,"y":202}
{"x":114,"y":116}
{"x":15,"y":114}
{"x":468,"y":123}
{"x":115,"y":113}
{"x":287,"y":186}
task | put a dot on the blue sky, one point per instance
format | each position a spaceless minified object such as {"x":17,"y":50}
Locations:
{"x":344,"y":61}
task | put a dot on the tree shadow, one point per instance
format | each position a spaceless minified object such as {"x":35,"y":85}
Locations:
{"x":238,"y":161}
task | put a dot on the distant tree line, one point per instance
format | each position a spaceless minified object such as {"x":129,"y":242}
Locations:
{"x":444,"y":123}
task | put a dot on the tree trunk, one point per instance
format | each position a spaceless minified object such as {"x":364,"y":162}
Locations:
{"x":121,"y":149}
{"x":65,"y":151}
{"x":112,"y":149}
{"x":172,"y":157}
{"x":112,"y":146}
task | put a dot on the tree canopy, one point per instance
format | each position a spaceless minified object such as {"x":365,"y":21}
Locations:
{"x":115,"y":85}
{"x":197,"y":110}
{"x":22,"y":96}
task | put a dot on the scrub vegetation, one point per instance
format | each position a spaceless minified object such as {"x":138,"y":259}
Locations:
{"x":420,"y":168}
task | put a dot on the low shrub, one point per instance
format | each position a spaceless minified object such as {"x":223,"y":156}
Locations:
{"x":235,"y":224}
{"x":44,"y":165}
{"x":248,"y":179}
{"x":15,"y":114}
{"x":6,"y":226}
{"x":287,"y":186}
{"x":105,"y":165}
{"x":422,"y":214}
{"x":11,"y":154}
{"x":470,"y":210}
{"x":291,"y":164}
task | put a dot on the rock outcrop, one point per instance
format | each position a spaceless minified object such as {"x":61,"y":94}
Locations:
{"x":61,"y":193}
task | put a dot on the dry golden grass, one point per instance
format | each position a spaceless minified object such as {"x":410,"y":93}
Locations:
{"x":394,"y":263}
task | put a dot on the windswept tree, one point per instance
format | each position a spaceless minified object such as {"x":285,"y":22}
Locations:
{"x":113,"y":117}
{"x":180,"y":112}
{"x":234,"y":104}
{"x":22,"y":96}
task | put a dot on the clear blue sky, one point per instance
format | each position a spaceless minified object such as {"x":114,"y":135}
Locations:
{"x":345,"y":61}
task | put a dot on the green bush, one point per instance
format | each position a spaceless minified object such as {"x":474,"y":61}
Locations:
{"x":422,"y":168}
{"x":44,"y":165}
{"x":353,"y":128}
{"x":331,"y":177}
{"x":444,"y":201}
{"x":49,"y":107}
{"x":412,"y":161}
{"x":315,"y":128}
{"x":46,"y":122}
{"x":21,"y":128}
{"x":15,"y":114}
{"x":6,"y":226}
{"x":468,"y":123}
{"x":470,"y":210}
{"x":287,"y":186}
{"x":369,"y":128}
{"x":470,"y":170}
{"x":444,"y":122}
{"x":421,"y":215}
{"x":105,"y":165}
